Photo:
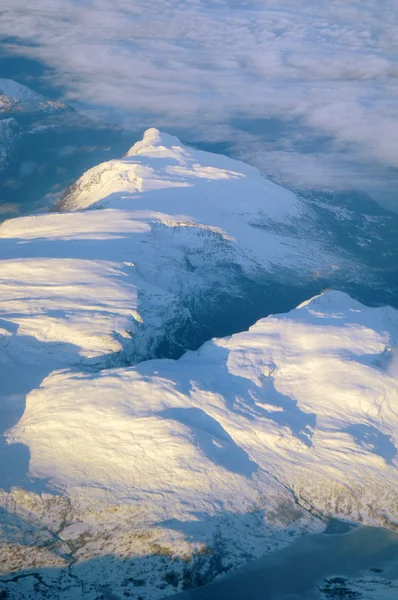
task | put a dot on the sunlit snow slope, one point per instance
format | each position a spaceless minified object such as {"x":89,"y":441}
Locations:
{"x":314,"y":390}
{"x":219,"y":449}
{"x":179,"y":233}
{"x":108,"y":470}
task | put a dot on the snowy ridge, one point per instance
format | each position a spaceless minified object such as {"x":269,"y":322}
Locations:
{"x":180,"y":230}
{"x":111,"y":470}
{"x":299,"y":409}
{"x":160,"y":162}
{"x":16,"y":98}
{"x":284,"y":397}
{"x":332,"y":343}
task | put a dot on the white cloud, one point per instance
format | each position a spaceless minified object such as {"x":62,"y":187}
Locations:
{"x":194,"y":65}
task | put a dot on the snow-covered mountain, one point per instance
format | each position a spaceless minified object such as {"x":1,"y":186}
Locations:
{"x":180,"y":232}
{"x":237,"y":448}
{"x":282,"y":400}
{"x":183,"y":242}
{"x":158,"y":474}
{"x":16,"y":98}
{"x":21,"y":112}
{"x":44,"y":145}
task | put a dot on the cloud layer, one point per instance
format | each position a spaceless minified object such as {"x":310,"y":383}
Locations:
{"x":324,"y":72}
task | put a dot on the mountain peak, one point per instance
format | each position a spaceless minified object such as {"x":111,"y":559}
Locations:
{"x":18,"y":98}
{"x":153,"y":138}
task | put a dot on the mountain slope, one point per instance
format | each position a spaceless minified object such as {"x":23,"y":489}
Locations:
{"x":183,"y":234}
{"x":114,"y":474}
{"x":314,"y":389}
{"x":160,"y":162}
{"x":214,"y":449}
{"x":16,"y":98}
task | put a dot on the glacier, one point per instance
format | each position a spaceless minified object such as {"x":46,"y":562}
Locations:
{"x":125,"y":458}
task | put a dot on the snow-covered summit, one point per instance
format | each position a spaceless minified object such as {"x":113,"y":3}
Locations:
{"x":240,"y":445}
{"x":16,"y":98}
{"x":178,"y":231}
{"x":154,"y":139}
{"x":193,"y":183}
